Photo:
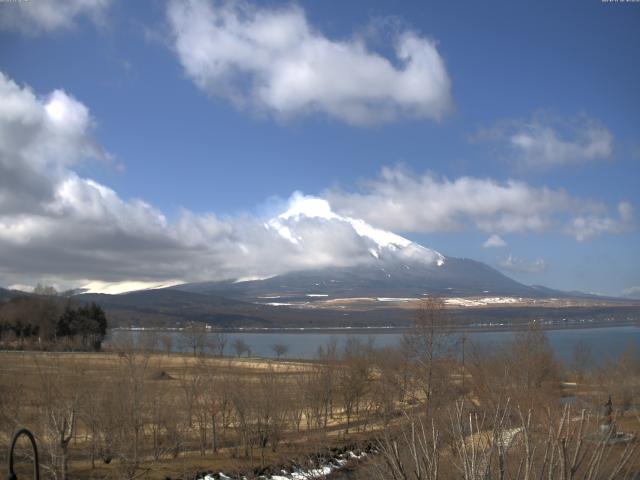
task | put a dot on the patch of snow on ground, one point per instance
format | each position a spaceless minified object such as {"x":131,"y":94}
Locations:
{"x":477,"y":302}
{"x":392,"y":299}
{"x":507,"y":437}
{"x":321,"y":471}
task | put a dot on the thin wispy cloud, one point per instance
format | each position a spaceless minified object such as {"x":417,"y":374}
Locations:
{"x":631,"y":292}
{"x":270,"y":59}
{"x":544,"y":142}
{"x":521,"y":265}
{"x":36,"y":17}
{"x":584,"y":227}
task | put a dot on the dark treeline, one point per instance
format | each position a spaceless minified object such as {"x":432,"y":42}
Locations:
{"x":49,"y":321}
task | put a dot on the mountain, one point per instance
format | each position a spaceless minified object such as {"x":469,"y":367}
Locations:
{"x":5,"y":294}
{"x":303,"y":299}
{"x":380,"y":277}
{"x":156,"y":299}
{"x":388,"y":265}
{"x":165,"y":307}
{"x":383,"y":271}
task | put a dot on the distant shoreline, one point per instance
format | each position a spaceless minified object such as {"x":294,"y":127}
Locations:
{"x":376,"y":330}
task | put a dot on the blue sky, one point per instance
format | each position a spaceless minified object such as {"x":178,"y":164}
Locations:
{"x":540,"y":94}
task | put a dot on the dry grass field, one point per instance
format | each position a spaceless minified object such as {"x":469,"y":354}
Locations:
{"x":175,"y":400}
{"x":134,"y":413}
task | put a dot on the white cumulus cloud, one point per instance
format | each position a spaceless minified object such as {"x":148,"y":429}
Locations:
{"x":271,"y":59}
{"x":494,"y":241}
{"x":39,"y":139}
{"x":545,"y":142}
{"x":404,"y":201}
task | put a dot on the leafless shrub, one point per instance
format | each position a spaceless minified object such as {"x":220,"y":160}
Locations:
{"x":506,"y":443}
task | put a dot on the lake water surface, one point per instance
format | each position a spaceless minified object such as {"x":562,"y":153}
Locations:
{"x":604,"y":342}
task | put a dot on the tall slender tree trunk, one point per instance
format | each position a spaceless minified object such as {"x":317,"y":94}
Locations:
{"x":214,"y":434}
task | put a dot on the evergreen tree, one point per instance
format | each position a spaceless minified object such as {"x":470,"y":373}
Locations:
{"x":88,"y":323}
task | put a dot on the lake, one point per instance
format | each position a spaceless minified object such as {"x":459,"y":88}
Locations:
{"x":604,"y":342}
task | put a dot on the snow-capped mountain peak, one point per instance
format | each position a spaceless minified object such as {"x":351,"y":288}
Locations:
{"x":311,"y":207}
{"x":303,"y":208}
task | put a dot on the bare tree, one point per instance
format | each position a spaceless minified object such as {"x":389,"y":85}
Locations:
{"x":61,"y":399}
{"x":327,"y":356}
{"x":129,"y":404}
{"x":215,"y":404}
{"x":389,"y":388}
{"x":620,"y":377}
{"x":280,"y":349}
{"x":427,"y":343}
{"x":161,"y":421}
{"x":353,"y":377}
{"x":535,"y":371}
{"x":194,"y":337}
{"x":241,"y":347}
{"x":581,"y":359}
{"x":241,"y":398}
{"x":503,"y":443}
{"x":270,"y":411}
{"x":167,"y":343}
{"x":524,"y":369}
{"x":148,"y":341}
{"x":190,"y":384}
{"x":216,"y":343}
